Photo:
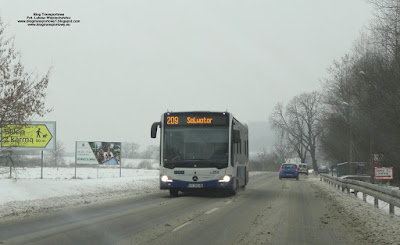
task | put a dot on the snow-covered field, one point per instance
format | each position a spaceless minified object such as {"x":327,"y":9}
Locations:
{"x":126,"y":162}
{"x":94,"y":172}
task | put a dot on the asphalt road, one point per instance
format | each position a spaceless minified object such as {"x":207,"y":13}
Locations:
{"x":269,"y":211}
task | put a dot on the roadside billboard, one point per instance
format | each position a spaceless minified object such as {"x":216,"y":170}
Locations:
{"x":98,"y":152}
{"x":29,"y":136}
{"x":385,"y":173}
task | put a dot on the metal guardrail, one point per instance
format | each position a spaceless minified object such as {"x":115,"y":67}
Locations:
{"x":390,"y":196}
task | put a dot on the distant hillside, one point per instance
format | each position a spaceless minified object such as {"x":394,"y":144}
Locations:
{"x":260,"y":136}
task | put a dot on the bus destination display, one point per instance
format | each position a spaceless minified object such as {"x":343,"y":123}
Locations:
{"x":203,"y":119}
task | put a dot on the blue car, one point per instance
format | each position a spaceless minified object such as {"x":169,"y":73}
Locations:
{"x":289,"y":170}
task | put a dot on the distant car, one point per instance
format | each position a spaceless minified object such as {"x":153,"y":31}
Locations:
{"x":303,"y":168}
{"x":323,"y":170}
{"x":289,"y":170}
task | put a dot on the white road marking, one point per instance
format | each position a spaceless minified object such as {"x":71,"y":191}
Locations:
{"x":181,"y":226}
{"x":228,"y":202}
{"x":212,"y":210}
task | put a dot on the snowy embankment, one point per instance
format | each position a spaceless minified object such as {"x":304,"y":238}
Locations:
{"x":383,"y":206}
{"x":26,"y":192}
{"x":371,"y":225}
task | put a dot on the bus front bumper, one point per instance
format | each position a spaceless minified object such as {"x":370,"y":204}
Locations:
{"x":188,"y":186}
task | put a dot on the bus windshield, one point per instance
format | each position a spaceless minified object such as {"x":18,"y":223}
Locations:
{"x":196,"y":147}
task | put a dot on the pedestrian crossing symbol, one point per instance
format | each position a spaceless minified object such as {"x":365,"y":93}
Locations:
{"x":33,"y":135}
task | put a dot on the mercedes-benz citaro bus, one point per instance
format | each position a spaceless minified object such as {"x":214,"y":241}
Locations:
{"x":202,"y":151}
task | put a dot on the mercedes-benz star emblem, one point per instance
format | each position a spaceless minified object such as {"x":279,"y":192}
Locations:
{"x":195,"y":178}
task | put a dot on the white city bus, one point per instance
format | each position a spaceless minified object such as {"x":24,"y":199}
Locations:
{"x":202,"y":151}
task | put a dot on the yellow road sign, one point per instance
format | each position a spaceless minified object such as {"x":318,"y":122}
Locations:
{"x":32,"y":135}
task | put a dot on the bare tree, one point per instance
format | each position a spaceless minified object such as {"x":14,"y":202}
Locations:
{"x":130,"y":150}
{"x":300,"y":120}
{"x":151,"y":152}
{"x":145,"y":164}
{"x":265,"y":161}
{"x":386,"y":28}
{"x":284,"y":148}
{"x":57,"y":155}
{"x":22,"y":94}
{"x":262,"y":157}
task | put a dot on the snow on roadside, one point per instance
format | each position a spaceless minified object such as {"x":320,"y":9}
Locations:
{"x":25,"y":194}
{"x":371,"y":225}
{"x":28,"y":193}
{"x":383,"y":206}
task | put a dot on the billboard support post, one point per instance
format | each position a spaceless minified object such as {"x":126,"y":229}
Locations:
{"x":41,"y":166}
{"x":10,"y":162}
{"x":76,"y":146}
{"x":120,"y":165}
{"x":9,"y":159}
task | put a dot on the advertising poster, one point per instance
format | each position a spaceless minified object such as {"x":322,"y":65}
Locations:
{"x":106,"y":153}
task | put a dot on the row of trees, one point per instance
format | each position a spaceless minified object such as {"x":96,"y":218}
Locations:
{"x":357,"y":113}
{"x":132,"y":150}
{"x":271,"y":160}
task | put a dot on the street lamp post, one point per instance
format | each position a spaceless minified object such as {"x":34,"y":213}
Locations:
{"x":350,"y":130}
{"x":372,"y":131}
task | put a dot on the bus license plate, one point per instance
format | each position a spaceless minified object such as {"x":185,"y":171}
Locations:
{"x":195,"y":185}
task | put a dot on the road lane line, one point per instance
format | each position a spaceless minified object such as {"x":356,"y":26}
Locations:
{"x":181,"y":226}
{"x":212,"y":210}
{"x":228,"y":202}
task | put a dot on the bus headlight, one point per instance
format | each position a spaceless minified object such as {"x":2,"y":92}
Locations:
{"x":225,"y":178}
{"x":164,"y":178}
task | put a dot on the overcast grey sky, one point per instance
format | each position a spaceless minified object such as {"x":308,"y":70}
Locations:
{"x":127,"y":62}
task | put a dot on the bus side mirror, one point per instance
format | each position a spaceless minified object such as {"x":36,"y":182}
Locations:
{"x":154,"y":129}
{"x":236,"y":136}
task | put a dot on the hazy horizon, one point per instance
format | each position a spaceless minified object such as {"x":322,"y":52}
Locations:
{"x":126,"y":62}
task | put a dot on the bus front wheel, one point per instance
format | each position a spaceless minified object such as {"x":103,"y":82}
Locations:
{"x":235,"y":188}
